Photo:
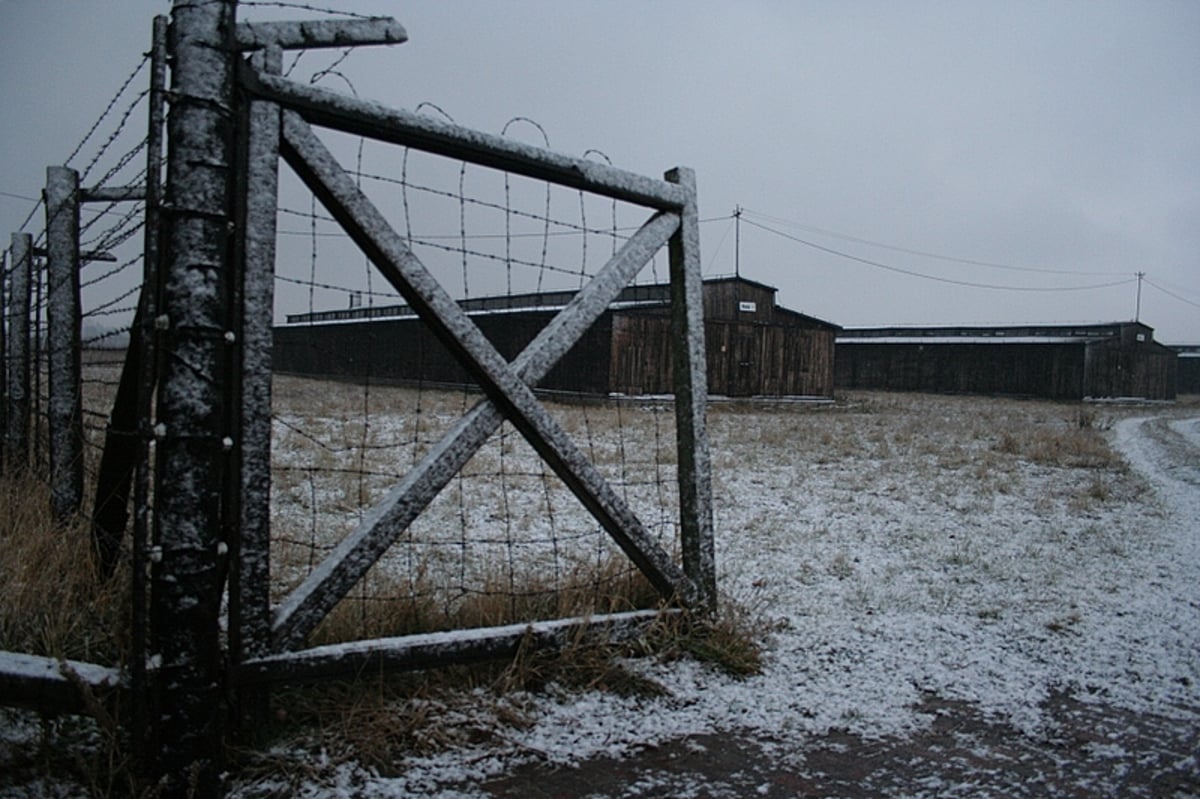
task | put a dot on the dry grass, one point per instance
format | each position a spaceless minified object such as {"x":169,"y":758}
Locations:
{"x":54,"y":602}
{"x":391,"y":607}
{"x":380,"y":721}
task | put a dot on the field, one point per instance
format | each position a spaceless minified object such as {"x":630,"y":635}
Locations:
{"x":957,"y":596}
{"x":914,"y":562}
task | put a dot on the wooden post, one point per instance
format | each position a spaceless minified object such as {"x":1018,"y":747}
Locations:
{"x":148,"y":305}
{"x":19,"y":391}
{"x":63,"y":319}
{"x":3,"y":359}
{"x":691,"y":396}
{"x":192,"y":445}
{"x":250,"y":514}
{"x":124,"y":438}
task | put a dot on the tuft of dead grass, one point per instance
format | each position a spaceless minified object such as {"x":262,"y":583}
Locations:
{"x":396,"y":607}
{"x":54,"y":601}
{"x":381,"y":721}
{"x":1077,"y":442}
{"x":733,"y":640}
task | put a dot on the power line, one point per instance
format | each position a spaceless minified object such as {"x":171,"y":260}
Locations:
{"x":935,"y":278}
{"x":1184,"y":300}
{"x":20,"y":197}
{"x":924,"y":253}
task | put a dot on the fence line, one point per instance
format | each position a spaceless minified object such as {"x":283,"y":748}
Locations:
{"x":192,"y":427}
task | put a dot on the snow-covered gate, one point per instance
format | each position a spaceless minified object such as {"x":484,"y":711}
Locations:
{"x":232,"y":119}
{"x":196,"y":460}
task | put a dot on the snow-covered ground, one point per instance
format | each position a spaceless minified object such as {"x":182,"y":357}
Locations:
{"x":903,"y":546}
{"x":991,"y":553}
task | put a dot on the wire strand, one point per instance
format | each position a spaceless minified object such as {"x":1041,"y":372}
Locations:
{"x":925,"y":253}
{"x":936,"y":278}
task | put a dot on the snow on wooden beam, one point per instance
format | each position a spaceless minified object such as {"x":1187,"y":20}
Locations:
{"x":52,"y":684}
{"x":85,"y":256}
{"x":312,"y":34}
{"x":376,"y":121}
{"x":431,"y":650}
{"x":691,"y":396}
{"x":113,"y":194}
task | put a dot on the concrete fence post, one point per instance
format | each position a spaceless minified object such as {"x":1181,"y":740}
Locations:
{"x":691,"y":396}
{"x":188,"y":718}
{"x":63,"y":342}
{"x":249,"y":578}
{"x":16,"y":433}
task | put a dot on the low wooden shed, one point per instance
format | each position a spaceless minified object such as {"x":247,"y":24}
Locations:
{"x":1116,"y":360}
{"x":1189,"y":368}
{"x":754,"y":347}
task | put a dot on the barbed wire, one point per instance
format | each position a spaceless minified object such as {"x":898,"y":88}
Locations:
{"x":334,"y":12}
{"x":568,"y":226}
{"x":108,"y":109}
{"x":508,"y":203}
{"x":109,"y":142}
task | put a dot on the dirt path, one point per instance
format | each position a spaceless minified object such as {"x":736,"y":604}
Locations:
{"x":1088,"y":751}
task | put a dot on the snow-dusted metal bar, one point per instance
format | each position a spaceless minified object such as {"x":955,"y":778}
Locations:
{"x":312,"y":34}
{"x":52,"y":684}
{"x":16,"y":448}
{"x":504,"y":386}
{"x":437,"y":649}
{"x":691,"y":397}
{"x":192,"y":456}
{"x":373,"y":120}
{"x":113,"y":194}
{"x":64,"y":319}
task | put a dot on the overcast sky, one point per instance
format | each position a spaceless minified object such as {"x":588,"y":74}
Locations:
{"x":979,"y":162}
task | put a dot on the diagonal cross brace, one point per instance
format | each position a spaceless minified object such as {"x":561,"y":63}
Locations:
{"x":507,"y":386}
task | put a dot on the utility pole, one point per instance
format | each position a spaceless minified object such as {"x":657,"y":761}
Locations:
{"x":737,"y":240}
{"x":1137,"y":312}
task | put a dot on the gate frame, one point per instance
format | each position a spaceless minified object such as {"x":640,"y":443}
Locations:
{"x":507,"y":385}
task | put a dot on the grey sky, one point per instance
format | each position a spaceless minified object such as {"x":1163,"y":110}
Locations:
{"x":1041,"y":135}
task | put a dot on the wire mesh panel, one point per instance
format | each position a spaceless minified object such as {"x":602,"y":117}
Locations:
{"x":369,"y":391}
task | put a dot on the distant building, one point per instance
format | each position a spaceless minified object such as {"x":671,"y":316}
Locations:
{"x":754,"y":347}
{"x":1116,"y":360}
{"x":1189,"y":368}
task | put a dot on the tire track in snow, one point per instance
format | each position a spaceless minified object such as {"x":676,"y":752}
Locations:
{"x":1166,"y":452}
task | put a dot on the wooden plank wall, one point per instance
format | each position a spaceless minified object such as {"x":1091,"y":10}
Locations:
{"x":723,"y":299}
{"x":405,"y":350}
{"x":1188,"y":375}
{"x":742,"y":359}
{"x":1046,"y":370}
{"x":1144,"y":370}
{"x":749,"y":353}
